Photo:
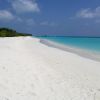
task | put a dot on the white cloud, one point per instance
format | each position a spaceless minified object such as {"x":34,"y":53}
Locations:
{"x":97,"y":21}
{"x":23,"y":6}
{"x":89,"y":13}
{"x":6,"y":15}
{"x":18,"y":19}
{"x":53,"y":24}
{"x":30,"y":22}
{"x":46,"y":23}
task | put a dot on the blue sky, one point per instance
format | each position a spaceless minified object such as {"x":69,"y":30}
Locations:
{"x":52,"y":17}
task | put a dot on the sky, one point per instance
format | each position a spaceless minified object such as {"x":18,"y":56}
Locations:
{"x":52,"y":17}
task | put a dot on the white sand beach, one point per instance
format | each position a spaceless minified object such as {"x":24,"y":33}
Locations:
{"x":30,"y":70}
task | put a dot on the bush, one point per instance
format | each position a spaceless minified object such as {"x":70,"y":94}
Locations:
{"x":5,"y":32}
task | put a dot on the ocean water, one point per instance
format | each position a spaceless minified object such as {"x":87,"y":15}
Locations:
{"x":92,"y":44}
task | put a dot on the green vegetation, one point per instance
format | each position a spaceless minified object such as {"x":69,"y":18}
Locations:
{"x":5,"y":32}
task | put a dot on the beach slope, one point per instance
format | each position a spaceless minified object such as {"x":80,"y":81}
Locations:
{"x":30,"y":70}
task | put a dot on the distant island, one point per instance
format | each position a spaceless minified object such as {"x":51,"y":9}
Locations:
{"x":6,"y":32}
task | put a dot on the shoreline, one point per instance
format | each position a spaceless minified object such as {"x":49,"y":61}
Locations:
{"x":81,"y":52}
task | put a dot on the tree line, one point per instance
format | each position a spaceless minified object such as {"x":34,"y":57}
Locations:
{"x":6,"y":32}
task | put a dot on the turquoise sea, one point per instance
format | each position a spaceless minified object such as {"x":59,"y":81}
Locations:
{"x":90,"y":43}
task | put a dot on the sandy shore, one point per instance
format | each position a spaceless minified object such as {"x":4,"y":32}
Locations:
{"x":30,"y":70}
{"x":93,"y":55}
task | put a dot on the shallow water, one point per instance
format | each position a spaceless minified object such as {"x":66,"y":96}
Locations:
{"x":92,"y":44}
